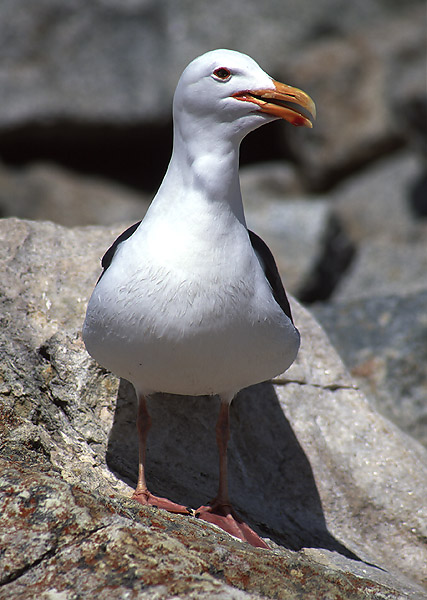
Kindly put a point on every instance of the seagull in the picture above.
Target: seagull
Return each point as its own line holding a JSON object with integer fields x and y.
{"x": 190, "y": 301}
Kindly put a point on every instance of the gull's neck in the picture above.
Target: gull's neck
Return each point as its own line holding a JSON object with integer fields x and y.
{"x": 204, "y": 171}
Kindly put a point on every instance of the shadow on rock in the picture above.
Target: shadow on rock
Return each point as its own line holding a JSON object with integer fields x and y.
{"x": 271, "y": 480}
{"x": 418, "y": 197}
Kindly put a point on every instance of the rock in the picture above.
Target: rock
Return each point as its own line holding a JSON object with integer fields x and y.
{"x": 311, "y": 248}
{"x": 312, "y": 464}
{"x": 70, "y": 540}
{"x": 268, "y": 179}
{"x": 48, "y": 192}
{"x": 419, "y": 196}
{"x": 377, "y": 203}
{"x": 382, "y": 341}
{"x": 408, "y": 101}
{"x": 376, "y": 317}
{"x": 127, "y": 56}
{"x": 353, "y": 81}
{"x": 309, "y": 245}
{"x": 385, "y": 268}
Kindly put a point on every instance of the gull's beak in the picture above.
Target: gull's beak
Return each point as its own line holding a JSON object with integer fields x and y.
{"x": 282, "y": 101}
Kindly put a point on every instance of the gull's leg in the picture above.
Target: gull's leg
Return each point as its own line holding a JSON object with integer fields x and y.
{"x": 222, "y": 431}
{"x": 143, "y": 425}
{"x": 142, "y": 493}
{"x": 219, "y": 511}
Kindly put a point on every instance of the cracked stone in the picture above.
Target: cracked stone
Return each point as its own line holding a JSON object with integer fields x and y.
{"x": 312, "y": 465}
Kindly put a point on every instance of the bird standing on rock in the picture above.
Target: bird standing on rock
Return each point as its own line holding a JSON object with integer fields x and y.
{"x": 190, "y": 302}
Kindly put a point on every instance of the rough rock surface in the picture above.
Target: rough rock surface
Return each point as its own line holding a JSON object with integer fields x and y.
{"x": 337, "y": 489}
{"x": 117, "y": 47}
{"x": 111, "y": 103}
{"x": 362, "y": 113}
{"x": 377, "y": 203}
{"x": 89, "y": 87}
{"x": 386, "y": 354}
{"x": 47, "y": 192}
{"x": 385, "y": 268}
{"x": 376, "y": 316}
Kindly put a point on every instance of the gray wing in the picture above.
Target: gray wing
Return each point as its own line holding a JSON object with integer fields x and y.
{"x": 271, "y": 272}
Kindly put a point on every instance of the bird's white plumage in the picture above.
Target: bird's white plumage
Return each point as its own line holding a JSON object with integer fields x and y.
{"x": 185, "y": 306}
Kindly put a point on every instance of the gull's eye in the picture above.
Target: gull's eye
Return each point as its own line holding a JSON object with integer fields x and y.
{"x": 222, "y": 73}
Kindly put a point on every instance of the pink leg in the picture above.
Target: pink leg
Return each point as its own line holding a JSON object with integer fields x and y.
{"x": 220, "y": 512}
{"x": 142, "y": 493}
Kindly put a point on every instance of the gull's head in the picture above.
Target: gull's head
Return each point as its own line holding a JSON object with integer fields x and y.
{"x": 228, "y": 91}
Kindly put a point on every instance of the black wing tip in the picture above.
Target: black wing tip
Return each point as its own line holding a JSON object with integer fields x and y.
{"x": 109, "y": 255}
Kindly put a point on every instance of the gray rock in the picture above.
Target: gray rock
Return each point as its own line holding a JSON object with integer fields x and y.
{"x": 268, "y": 179}
{"x": 353, "y": 81}
{"x": 384, "y": 268}
{"x": 382, "y": 340}
{"x": 307, "y": 241}
{"x": 376, "y": 203}
{"x": 63, "y": 542}
{"x": 310, "y": 246}
{"x": 312, "y": 464}
{"x": 118, "y": 62}
{"x": 376, "y": 319}
{"x": 47, "y": 192}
